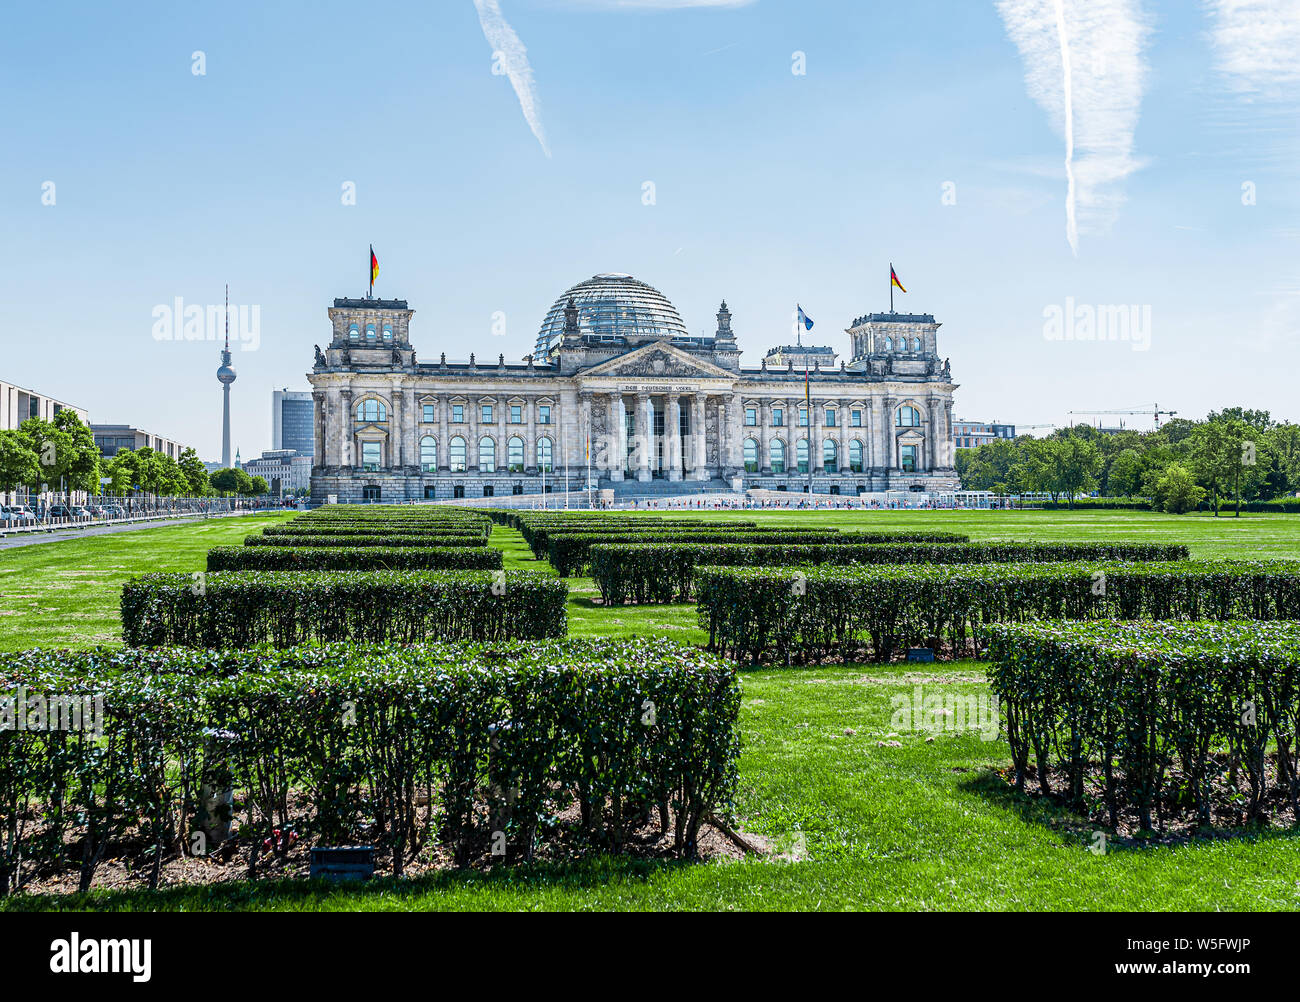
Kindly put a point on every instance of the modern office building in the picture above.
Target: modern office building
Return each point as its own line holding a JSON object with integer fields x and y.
{"x": 293, "y": 417}
{"x": 18, "y": 405}
{"x": 110, "y": 439}
{"x": 973, "y": 434}
{"x": 284, "y": 470}
{"x": 618, "y": 387}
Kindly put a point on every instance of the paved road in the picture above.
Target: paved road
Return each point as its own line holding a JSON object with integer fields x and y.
{"x": 35, "y": 538}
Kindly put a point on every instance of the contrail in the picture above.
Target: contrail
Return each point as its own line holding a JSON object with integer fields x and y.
{"x": 1084, "y": 67}
{"x": 1067, "y": 95}
{"x": 514, "y": 57}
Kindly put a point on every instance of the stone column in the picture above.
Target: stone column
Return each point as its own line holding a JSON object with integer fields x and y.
{"x": 413, "y": 417}
{"x": 765, "y": 436}
{"x": 673, "y": 435}
{"x": 318, "y": 428}
{"x": 699, "y": 446}
{"x": 345, "y": 428}
{"x": 644, "y": 434}
{"x": 503, "y": 434}
{"x": 887, "y": 451}
{"x": 620, "y": 438}
{"x": 586, "y": 447}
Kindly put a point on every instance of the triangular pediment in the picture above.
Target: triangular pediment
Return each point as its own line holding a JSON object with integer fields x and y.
{"x": 653, "y": 361}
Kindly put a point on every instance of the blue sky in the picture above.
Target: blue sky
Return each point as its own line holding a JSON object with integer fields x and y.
{"x": 771, "y": 187}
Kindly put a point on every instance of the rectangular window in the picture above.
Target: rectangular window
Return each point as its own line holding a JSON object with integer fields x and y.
{"x": 428, "y": 413}
{"x": 751, "y": 417}
{"x": 516, "y": 414}
{"x": 803, "y": 417}
{"x": 543, "y": 414}
{"x": 370, "y": 456}
{"x": 830, "y": 417}
{"x": 487, "y": 414}
{"x": 909, "y": 458}
{"x": 458, "y": 413}
{"x": 778, "y": 417}
{"x": 857, "y": 419}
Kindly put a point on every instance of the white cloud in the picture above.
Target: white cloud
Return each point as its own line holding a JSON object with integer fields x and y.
{"x": 514, "y": 58}
{"x": 1257, "y": 43}
{"x": 1084, "y": 66}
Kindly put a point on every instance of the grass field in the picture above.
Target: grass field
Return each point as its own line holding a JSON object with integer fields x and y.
{"x": 924, "y": 825}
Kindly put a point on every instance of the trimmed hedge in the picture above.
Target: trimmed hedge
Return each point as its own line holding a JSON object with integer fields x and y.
{"x": 664, "y": 572}
{"x": 789, "y": 614}
{"x": 1132, "y": 699}
{"x": 405, "y": 542}
{"x": 282, "y": 608}
{"x": 367, "y": 530}
{"x": 501, "y": 737}
{"x": 569, "y": 552}
{"x": 537, "y": 535}
{"x": 368, "y": 558}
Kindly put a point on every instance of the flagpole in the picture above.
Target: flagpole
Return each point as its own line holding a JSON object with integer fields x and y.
{"x": 370, "y": 270}
{"x": 891, "y": 286}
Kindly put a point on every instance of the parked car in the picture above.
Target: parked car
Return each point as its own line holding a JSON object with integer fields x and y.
{"x": 80, "y": 513}
{"x": 60, "y": 511}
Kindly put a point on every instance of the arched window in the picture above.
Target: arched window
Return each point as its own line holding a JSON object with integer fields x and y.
{"x": 916, "y": 344}
{"x": 456, "y": 455}
{"x": 907, "y": 417}
{"x": 372, "y": 410}
{"x": 830, "y": 456}
{"x": 889, "y": 344}
{"x": 515, "y": 454}
{"x": 777, "y": 451}
{"x": 751, "y": 456}
{"x": 388, "y": 333}
{"x": 487, "y": 456}
{"x": 354, "y": 333}
{"x": 370, "y": 333}
{"x": 544, "y": 454}
{"x": 801, "y": 454}
{"x": 855, "y": 456}
{"x": 429, "y": 454}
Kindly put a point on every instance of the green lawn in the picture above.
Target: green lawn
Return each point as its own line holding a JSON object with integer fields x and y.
{"x": 925, "y": 825}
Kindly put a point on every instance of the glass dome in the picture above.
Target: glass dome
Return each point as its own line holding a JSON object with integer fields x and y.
{"x": 612, "y": 306}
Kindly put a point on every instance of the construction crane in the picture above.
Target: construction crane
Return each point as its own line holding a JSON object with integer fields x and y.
{"x": 1153, "y": 411}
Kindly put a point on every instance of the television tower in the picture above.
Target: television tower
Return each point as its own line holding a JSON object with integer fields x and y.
{"x": 226, "y": 376}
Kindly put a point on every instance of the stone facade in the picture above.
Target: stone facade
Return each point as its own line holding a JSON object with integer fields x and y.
{"x": 644, "y": 406}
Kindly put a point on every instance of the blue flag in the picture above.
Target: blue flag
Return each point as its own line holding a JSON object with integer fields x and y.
{"x": 805, "y": 321}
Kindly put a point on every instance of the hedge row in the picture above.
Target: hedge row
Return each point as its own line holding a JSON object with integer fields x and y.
{"x": 538, "y": 534}
{"x": 387, "y": 541}
{"x": 293, "y": 529}
{"x": 345, "y": 558}
{"x": 501, "y": 738}
{"x": 283, "y": 608}
{"x": 569, "y": 552}
{"x": 1127, "y": 701}
{"x": 789, "y": 614}
{"x": 664, "y": 572}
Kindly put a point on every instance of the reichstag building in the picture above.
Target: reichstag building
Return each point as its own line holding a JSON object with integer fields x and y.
{"x": 617, "y": 386}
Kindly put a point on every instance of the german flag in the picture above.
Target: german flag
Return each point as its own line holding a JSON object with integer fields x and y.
{"x": 374, "y": 268}
{"x": 893, "y": 279}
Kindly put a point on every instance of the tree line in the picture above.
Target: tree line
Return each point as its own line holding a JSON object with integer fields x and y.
{"x": 1233, "y": 456}
{"x": 61, "y": 455}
